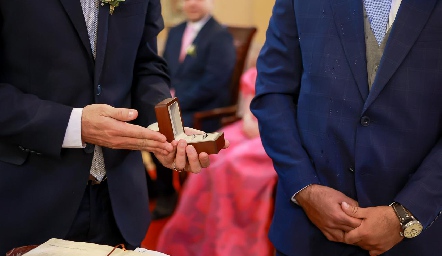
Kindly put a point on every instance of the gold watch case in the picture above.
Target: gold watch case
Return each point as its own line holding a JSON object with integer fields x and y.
{"x": 412, "y": 229}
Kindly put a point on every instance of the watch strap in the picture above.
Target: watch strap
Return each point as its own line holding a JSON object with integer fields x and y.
{"x": 403, "y": 214}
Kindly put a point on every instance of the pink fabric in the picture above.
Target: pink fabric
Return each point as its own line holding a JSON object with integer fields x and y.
{"x": 247, "y": 82}
{"x": 226, "y": 209}
{"x": 186, "y": 42}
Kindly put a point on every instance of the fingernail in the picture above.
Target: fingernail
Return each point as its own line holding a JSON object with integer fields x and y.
{"x": 345, "y": 205}
{"x": 131, "y": 113}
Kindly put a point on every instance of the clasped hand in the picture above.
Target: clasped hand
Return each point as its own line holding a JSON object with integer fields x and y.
{"x": 107, "y": 126}
{"x": 340, "y": 219}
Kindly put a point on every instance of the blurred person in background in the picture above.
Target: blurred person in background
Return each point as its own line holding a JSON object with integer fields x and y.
{"x": 226, "y": 209}
{"x": 201, "y": 57}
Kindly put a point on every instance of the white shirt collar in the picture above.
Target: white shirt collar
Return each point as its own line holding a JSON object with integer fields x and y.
{"x": 393, "y": 11}
{"x": 198, "y": 25}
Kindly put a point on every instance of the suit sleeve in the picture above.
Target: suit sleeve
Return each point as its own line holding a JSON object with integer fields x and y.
{"x": 32, "y": 123}
{"x": 422, "y": 194}
{"x": 29, "y": 122}
{"x": 216, "y": 75}
{"x": 277, "y": 87}
{"x": 151, "y": 81}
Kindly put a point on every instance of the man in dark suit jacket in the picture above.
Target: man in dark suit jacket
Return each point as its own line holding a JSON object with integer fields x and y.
{"x": 201, "y": 71}
{"x": 350, "y": 121}
{"x": 201, "y": 57}
{"x": 60, "y": 88}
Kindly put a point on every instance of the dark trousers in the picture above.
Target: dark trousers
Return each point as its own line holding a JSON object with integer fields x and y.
{"x": 278, "y": 253}
{"x": 163, "y": 185}
{"x": 349, "y": 252}
{"x": 95, "y": 222}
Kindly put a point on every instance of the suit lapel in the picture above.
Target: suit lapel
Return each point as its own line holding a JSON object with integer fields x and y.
{"x": 206, "y": 28}
{"x": 199, "y": 37}
{"x": 411, "y": 19}
{"x": 102, "y": 33}
{"x": 349, "y": 21}
{"x": 176, "y": 47}
{"x": 75, "y": 13}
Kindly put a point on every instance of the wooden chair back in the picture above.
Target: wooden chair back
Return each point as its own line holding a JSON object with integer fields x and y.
{"x": 242, "y": 39}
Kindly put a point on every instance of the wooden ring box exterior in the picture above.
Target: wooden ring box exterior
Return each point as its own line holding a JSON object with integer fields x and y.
{"x": 163, "y": 111}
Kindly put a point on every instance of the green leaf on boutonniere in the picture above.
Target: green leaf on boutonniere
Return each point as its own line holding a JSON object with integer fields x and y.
{"x": 191, "y": 50}
{"x": 112, "y": 4}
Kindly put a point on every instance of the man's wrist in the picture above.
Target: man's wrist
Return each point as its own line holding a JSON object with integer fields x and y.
{"x": 297, "y": 193}
{"x": 410, "y": 226}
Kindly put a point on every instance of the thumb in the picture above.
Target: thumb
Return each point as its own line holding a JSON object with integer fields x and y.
{"x": 353, "y": 211}
{"x": 122, "y": 114}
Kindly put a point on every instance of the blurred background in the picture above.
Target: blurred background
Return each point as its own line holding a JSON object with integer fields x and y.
{"x": 227, "y": 208}
{"x": 229, "y": 12}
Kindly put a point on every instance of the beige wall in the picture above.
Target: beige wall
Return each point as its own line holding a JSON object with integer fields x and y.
{"x": 245, "y": 13}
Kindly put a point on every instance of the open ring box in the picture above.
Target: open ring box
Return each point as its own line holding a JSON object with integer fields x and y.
{"x": 171, "y": 125}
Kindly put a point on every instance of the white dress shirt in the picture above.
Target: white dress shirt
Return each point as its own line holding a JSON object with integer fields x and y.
{"x": 197, "y": 26}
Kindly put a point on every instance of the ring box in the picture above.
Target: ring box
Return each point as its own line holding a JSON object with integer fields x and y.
{"x": 170, "y": 124}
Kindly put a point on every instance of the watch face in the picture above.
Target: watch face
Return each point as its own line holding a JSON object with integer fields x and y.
{"x": 412, "y": 229}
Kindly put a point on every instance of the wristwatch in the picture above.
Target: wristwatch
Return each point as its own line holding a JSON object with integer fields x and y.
{"x": 411, "y": 227}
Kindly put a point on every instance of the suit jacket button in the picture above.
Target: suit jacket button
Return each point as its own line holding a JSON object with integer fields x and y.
{"x": 89, "y": 148}
{"x": 365, "y": 121}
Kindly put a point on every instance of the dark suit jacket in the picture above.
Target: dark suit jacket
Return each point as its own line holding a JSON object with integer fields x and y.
{"x": 202, "y": 80}
{"x": 47, "y": 68}
{"x": 320, "y": 123}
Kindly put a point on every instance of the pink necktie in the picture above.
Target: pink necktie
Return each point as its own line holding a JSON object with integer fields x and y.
{"x": 185, "y": 43}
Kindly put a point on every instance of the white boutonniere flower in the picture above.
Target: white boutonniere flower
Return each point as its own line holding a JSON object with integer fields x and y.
{"x": 191, "y": 50}
{"x": 112, "y": 4}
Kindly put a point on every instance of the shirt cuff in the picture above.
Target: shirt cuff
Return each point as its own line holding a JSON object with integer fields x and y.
{"x": 72, "y": 137}
{"x": 293, "y": 197}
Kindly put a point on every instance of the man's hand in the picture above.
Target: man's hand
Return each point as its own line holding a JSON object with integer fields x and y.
{"x": 323, "y": 207}
{"x": 379, "y": 230}
{"x": 185, "y": 157}
{"x": 107, "y": 126}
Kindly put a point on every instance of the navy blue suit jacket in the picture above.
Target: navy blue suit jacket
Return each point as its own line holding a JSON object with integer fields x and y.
{"x": 321, "y": 125}
{"x": 202, "y": 80}
{"x": 46, "y": 69}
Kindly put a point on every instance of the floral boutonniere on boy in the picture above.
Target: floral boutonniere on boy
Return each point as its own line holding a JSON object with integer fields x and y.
{"x": 191, "y": 50}
{"x": 112, "y": 4}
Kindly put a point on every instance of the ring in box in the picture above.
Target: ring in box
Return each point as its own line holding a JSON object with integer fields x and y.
{"x": 171, "y": 125}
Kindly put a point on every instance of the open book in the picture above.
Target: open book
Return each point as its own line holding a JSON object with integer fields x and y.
{"x": 56, "y": 247}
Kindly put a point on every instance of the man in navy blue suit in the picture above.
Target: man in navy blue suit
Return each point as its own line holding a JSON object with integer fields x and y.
{"x": 348, "y": 99}
{"x": 201, "y": 57}
{"x": 78, "y": 84}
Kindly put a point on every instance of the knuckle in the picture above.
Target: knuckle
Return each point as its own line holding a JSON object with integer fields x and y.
{"x": 142, "y": 143}
{"x": 355, "y": 210}
{"x": 120, "y": 112}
